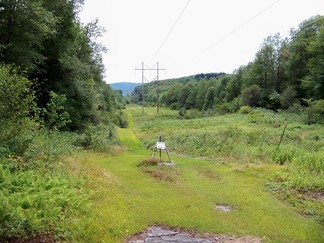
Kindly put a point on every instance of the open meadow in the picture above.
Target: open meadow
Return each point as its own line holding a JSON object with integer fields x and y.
{"x": 274, "y": 191}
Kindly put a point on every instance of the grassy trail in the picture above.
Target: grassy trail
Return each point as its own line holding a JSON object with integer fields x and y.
{"x": 136, "y": 200}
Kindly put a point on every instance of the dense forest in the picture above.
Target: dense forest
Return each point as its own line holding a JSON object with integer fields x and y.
{"x": 56, "y": 57}
{"x": 53, "y": 101}
{"x": 286, "y": 72}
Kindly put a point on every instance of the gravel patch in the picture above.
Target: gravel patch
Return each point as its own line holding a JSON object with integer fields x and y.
{"x": 164, "y": 234}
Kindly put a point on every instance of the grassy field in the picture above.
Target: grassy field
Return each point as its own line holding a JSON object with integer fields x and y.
{"x": 128, "y": 195}
{"x": 249, "y": 141}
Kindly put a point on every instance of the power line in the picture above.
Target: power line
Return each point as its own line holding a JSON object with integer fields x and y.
{"x": 242, "y": 25}
{"x": 312, "y": 22}
{"x": 168, "y": 35}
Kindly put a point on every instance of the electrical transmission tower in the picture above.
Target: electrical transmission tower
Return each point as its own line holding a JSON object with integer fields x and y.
{"x": 157, "y": 69}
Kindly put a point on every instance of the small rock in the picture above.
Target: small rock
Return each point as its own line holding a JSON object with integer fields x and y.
{"x": 157, "y": 232}
{"x": 223, "y": 208}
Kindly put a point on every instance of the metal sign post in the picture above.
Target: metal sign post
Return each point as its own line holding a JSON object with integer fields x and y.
{"x": 160, "y": 145}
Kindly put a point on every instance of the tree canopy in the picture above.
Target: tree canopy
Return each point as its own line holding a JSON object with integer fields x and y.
{"x": 59, "y": 55}
{"x": 285, "y": 71}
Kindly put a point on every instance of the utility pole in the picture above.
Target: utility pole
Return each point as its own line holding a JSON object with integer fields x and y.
{"x": 157, "y": 69}
{"x": 143, "y": 88}
{"x": 157, "y": 89}
{"x": 142, "y": 93}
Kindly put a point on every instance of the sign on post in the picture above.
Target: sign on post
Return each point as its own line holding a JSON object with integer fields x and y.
{"x": 160, "y": 145}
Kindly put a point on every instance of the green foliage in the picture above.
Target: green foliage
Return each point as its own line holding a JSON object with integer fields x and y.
{"x": 61, "y": 57}
{"x": 209, "y": 98}
{"x": 38, "y": 195}
{"x": 46, "y": 149}
{"x": 121, "y": 119}
{"x": 100, "y": 138}
{"x": 288, "y": 97}
{"x": 254, "y": 117}
{"x": 24, "y": 25}
{"x": 234, "y": 85}
{"x": 175, "y": 106}
{"x": 283, "y": 156}
{"x": 56, "y": 116}
{"x": 284, "y": 72}
{"x": 17, "y": 107}
{"x": 250, "y": 137}
{"x": 251, "y": 95}
{"x": 136, "y": 197}
{"x": 182, "y": 113}
{"x": 316, "y": 112}
{"x": 229, "y": 107}
{"x": 35, "y": 203}
{"x": 245, "y": 109}
{"x": 304, "y": 67}
{"x": 17, "y": 100}
{"x": 313, "y": 113}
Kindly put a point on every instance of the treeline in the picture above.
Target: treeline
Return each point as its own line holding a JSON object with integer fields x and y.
{"x": 45, "y": 42}
{"x": 285, "y": 72}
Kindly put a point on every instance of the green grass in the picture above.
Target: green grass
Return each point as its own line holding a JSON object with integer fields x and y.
{"x": 128, "y": 199}
{"x": 239, "y": 139}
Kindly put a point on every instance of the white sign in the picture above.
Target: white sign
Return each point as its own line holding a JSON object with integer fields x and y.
{"x": 160, "y": 145}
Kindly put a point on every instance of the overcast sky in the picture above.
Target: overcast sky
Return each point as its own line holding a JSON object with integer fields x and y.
{"x": 207, "y": 35}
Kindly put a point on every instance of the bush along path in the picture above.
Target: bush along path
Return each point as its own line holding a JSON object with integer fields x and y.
{"x": 194, "y": 197}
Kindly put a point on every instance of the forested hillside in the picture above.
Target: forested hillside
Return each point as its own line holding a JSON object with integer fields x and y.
{"x": 125, "y": 87}
{"x": 286, "y": 72}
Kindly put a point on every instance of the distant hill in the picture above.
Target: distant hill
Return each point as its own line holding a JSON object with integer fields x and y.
{"x": 126, "y": 87}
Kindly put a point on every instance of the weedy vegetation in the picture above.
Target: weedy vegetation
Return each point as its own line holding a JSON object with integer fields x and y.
{"x": 251, "y": 139}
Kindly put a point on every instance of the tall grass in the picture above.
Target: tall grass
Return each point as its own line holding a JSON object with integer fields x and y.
{"x": 253, "y": 137}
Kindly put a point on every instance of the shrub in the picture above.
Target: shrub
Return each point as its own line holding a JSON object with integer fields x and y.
{"x": 55, "y": 115}
{"x": 193, "y": 114}
{"x": 182, "y": 113}
{"x": 283, "y": 156}
{"x": 255, "y": 116}
{"x": 317, "y": 110}
{"x": 122, "y": 120}
{"x": 288, "y": 97}
{"x": 245, "y": 109}
{"x": 228, "y": 107}
{"x": 17, "y": 101}
{"x": 34, "y": 203}
{"x": 17, "y": 105}
{"x": 99, "y": 138}
{"x": 251, "y": 95}
{"x": 175, "y": 106}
